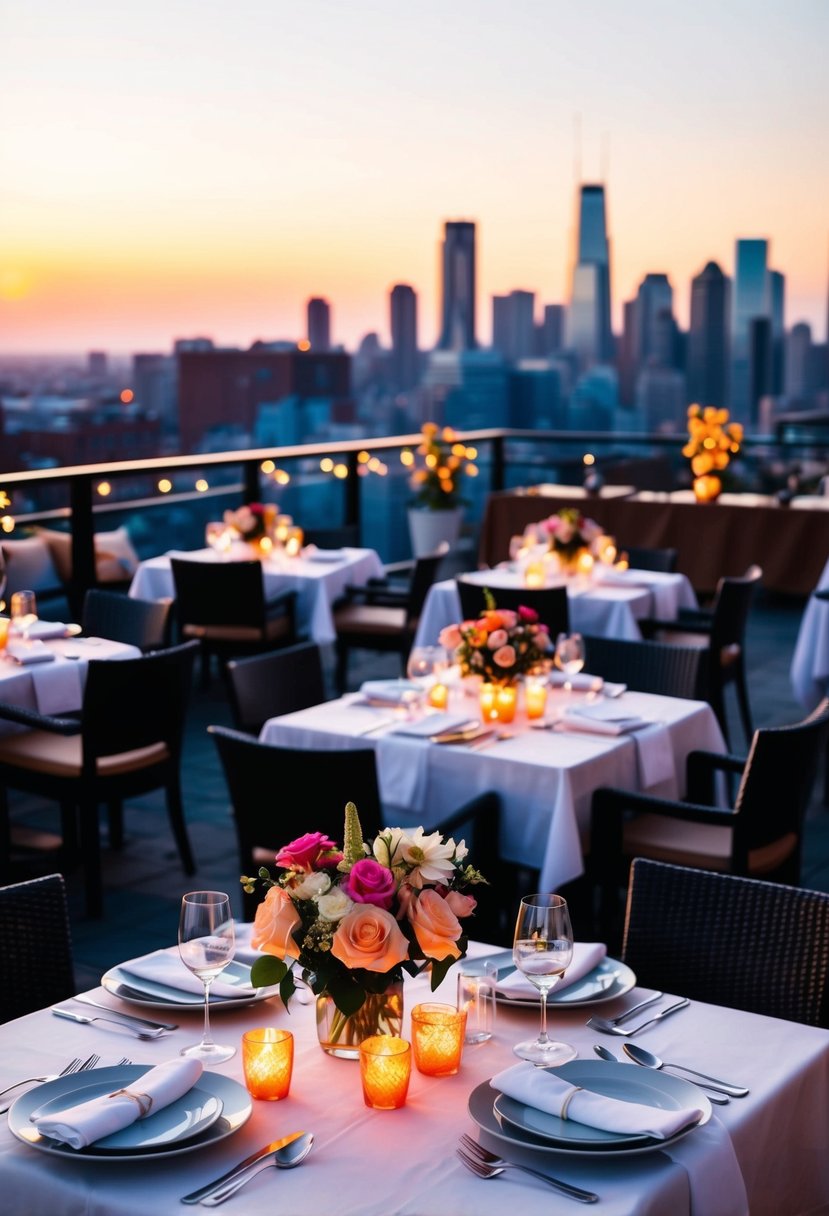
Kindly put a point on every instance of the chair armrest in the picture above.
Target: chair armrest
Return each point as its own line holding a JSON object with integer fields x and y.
{"x": 700, "y": 615}
{"x": 701, "y": 769}
{"x": 650, "y": 626}
{"x": 608, "y": 800}
{"x": 31, "y": 718}
{"x": 382, "y": 595}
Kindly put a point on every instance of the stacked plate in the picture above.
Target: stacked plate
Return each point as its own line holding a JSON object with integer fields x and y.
{"x": 608, "y": 980}
{"x": 124, "y": 983}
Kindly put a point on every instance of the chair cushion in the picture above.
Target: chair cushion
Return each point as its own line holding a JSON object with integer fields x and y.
{"x": 60, "y": 755}
{"x": 369, "y": 618}
{"x": 115, "y": 558}
{"x": 699, "y": 845}
{"x": 275, "y": 629}
{"x": 30, "y": 565}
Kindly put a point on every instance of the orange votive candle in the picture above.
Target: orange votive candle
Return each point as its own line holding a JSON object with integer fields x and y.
{"x": 268, "y": 1060}
{"x": 535, "y": 574}
{"x": 385, "y": 1068}
{"x": 535, "y": 698}
{"x": 438, "y": 696}
{"x": 437, "y": 1038}
{"x": 506, "y": 698}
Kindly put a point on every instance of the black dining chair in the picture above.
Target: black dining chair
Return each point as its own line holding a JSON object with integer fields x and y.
{"x": 656, "y": 667}
{"x": 36, "y": 961}
{"x": 550, "y": 603}
{"x": 641, "y": 557}
{"x": 278, "y": 682}
{"x": 729, "y": 940}
{"x": 114, "y": 615}
{"x": 125, "y": 742}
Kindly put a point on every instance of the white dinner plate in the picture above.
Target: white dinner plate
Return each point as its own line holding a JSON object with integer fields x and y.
{"x": 604, "y": 983}
{"x": 236, "y": 1110}
{"x": 617, "y": 1080}
{"x": 181, "y": 1120}
{"x": 139, "y": 991}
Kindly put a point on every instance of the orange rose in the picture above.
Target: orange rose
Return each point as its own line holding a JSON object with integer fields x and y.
{"x": 436, "y": 926}
{"x": 276, "y": 919}
{"x": 461, "y": 905}
{"x": 369, "y": 937}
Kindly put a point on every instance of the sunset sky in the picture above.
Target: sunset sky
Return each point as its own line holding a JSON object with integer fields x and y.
{"x": 196, "y": 167}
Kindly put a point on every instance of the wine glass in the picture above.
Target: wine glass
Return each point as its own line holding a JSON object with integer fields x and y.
{"x": 206, "y": 943}
{"x": 425, "y": 666}
{"x": 23, "y": 612}
{"x": 569, "y": 655}
{"x": 542, "y": 950}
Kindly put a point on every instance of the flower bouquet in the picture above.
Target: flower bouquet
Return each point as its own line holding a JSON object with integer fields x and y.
{"x": 712, "y": 441}
{"x": 501, "y": 645}
{"x": 249, "y": 521}
{"x": 569, "y": 533}
{"x": 354, "y": 919}
{"x": 437, "y": 482}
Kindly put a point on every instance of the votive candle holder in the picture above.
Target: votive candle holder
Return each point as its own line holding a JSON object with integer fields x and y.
{"x": 535, "y": 696}
{"x": 437, "y": 1038}
{"x": 385, "y": 1069}
{"x": 268, "y": 1060}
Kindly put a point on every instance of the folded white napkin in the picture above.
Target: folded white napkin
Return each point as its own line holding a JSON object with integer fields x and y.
{"x": 86, "y": 1122}
{"x": 24, "y": 652}
{"x": 586, "y": 956}
{"x": 390, "y": 692}
{"x": 166, "y": 967}
{"x": 600, "y": 718}
{"x": 581, "y": 681}
{"x": 432, "y": 724}
{"x": 48, "y": 629}
{"x": 549, "y": 1092}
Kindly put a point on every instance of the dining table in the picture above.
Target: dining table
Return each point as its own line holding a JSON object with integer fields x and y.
{"x": 759, "y": 1153}
{"x": 545, "y": 774}
{"x": 318, "y": 576}
{"x": 608, "y": 602}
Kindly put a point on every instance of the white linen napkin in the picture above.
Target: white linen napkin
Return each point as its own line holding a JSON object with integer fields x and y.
{"x": 26, "y": 653}
{"x": 621, "y": 578}
{"x": 48, "y": 629}
{"x": 86, "y": 1122}
{"x": 586, "y": 956}
{"x": 600, "y": 718}
{"x": 166, "y": 967}
{"x": 432, "y": 724}
{"x": 581, "y": 681}
{"x": 389, "y": 692}
{"x": 551, "y": 1093}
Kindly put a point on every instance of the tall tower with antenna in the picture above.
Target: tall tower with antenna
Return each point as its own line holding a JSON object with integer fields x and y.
{"x": 589, "y": 331}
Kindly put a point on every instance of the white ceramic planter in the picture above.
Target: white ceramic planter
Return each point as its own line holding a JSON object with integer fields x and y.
{"x": 428, "y": 528}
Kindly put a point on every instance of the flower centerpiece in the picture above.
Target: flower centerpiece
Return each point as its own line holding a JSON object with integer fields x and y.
{"x": 712, "y": 441}
{"x": 571, "y": 534}
{"x": 354, "y": 919}
{"x": 438, "y": 466}
{"x": 249, "y": 521}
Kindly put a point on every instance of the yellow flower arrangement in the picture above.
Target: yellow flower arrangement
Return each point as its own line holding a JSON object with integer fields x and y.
{"x": 712, "y": 439}
{"x": 445, "y": 460}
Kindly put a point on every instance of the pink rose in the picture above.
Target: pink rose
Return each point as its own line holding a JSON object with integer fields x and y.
{"x": 450, "y": 637}
{"x": 304, "y": 852}
{"x": 498, "y": 637}
{"x": 505, "y": 656}
{"x": 276, "y": 918}
{"x": 369, "y": 937}
{"x": 527, "y": 614}
{"x": 436, "y": 926}
{"x": 461, "y": 905}
{"x": 370, "y": 883}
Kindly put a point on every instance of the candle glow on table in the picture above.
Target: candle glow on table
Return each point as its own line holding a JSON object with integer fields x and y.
{"x": 385, "y": 1069}
{"x": 280, "y": 531}
{"x": 585, "y": 562}
{"x": 293, "y": 541}
{"x": 506, "y": 699}
{"x": 438, "y": 696}
{"x": 267, "y": 1060}
{"x": 534, "y": 574}
{"x": 437, "y": 1038}
{"x": 535, "y": 696}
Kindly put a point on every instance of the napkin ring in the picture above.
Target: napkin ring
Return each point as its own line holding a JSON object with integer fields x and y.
{"x": 145, "y": 1102}
{"x": 566, "y": 1103}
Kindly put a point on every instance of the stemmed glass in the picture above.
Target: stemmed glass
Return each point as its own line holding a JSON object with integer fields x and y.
{"x": 425, "y": 666}
{"x": 206, "y": 942}
{"x": 542, "y": 950}
{"x": 569, "y": 656}
{"x": 23, "y": 612}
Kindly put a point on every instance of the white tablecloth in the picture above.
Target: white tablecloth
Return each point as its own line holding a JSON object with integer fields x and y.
{"x": 402, "y": 1163}
{"x": 317, "y": 583}
{"x": 809, "y": 672}
{"x": 595, "y": 608}
{"x": 545, "y": 778}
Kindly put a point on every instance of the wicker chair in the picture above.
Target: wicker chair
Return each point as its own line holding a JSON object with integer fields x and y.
{"x": 641, "y": 558}
{"x": 142, "y": 623}
{"x": 266, "y": 685}
{"x": 36, "y": 967}
{"x": 728, "y": 940}
{"x": 549, "y": 602}
{"x": 669, "y": 671}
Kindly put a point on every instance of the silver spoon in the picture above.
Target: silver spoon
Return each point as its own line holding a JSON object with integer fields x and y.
{"x": 284, "y": 1158}
{"x": 604, "y": 1054}
{"x": 640, "y": 1056}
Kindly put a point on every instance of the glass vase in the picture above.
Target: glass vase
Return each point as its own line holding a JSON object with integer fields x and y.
{"x": 341, "y": 1035}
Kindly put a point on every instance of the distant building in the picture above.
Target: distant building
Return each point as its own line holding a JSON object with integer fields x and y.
{"x": 154, "y": 387}
{"x": 513, "y": 325}
{"x": 750, "y": 299}
{"x": 654, "y": 299}
{"x": 588, "y": 316}
{"x": 799, "y": 353}
{"x": 777, "y": 303}
{"x": 626, "y": 360}
{"x": 405, "y": 357}
{"x": 549, "y": 335}
{"x": 457, "y": 331}
{"x": 319, "y": 325}
{"x": 97, "y": 364}
{"x": 661, "y": 399}
{"x": 760, "y": 366}
{"x": 708, "y": 337}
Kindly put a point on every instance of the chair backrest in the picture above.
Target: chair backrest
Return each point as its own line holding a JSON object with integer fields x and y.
{"x": 258, "y": 776}
{"x": 218, "y": 593}
{"x": 424, "y": 574}
{"x": 645, "y": 666}
{"x": 641, "y": 558}
{"x": 278, "y": 682}
{"x": 141, "y": 623}
{"x": 777, "y": 782}
{"x": 550, "y": 603}
{"x": 134, "y": 703}
{"x": 730, "y": 609}
{"x": 36, "y": 959}
{"x": 728, "y": 940}
{"x": 347, "y": 536}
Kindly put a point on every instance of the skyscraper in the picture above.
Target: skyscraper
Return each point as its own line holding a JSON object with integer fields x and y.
{"x": 319, "y": 325}
{"x": 708, "y": 337}
{"x": 513, "y": 324}
{"x": 404, "y": 353}
{"x": 588, "y": 317}
{"x": 750, "y": 299}
{"x": 654, "y": 298}
{"x": 457, "y": 331}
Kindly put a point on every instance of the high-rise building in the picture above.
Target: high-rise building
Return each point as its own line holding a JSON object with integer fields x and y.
{"x": 750, "y": 299}
{"x": 798, "y": 383}
{"x": 97, "y": 363}
{"x": 654, "y": 298}
{"x": 319, "y": 325}
{"x": 513, "y": 325}
{"x": 550, "y": 333}
{"x": 457, "y": 330}
{"x": 708, "y": 337}
{"x": 760, "y": 366}
{"x": 777, "y": 301}
{"x": 405, "y": 361}
{"x": 588, "y": 317}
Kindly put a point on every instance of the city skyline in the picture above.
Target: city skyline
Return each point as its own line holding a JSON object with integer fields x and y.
{"x": 213, "y": 171}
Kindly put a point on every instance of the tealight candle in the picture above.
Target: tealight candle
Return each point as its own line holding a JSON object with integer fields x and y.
{"x": 437, "y": 1038}
{"x": 267, "y": 1060}
{"x": 535, "y": 696}
{"x": 293, "y": 541}
{"x": 534, "y": 574}
{"x": 506, "y": 697}
{"x": 585, "y": 563}
{"x": 385, "y": 1068}
{"x": 280, "y": 531}
{"x": 486, "y": 700}
{"x": 438, "y": 696}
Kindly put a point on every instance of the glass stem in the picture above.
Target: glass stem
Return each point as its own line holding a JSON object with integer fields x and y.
{"x": 542, "y": 1038}
{"x": 206, "y": 1036}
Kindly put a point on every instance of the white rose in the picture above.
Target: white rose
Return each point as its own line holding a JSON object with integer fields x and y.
{"x": 334, "y": 905}
{"x": 387, "y": 846}
{"x": 313, "y": 884}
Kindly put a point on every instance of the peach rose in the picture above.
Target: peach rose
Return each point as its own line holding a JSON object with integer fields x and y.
{"x": 276, "y": 918}
{"x": 505, "y": 656}
{"x": 369, "y": 937}
{"x": 461, "y": 905}
{"x": 450, "y": 637}
{"x": 436, "y": 926}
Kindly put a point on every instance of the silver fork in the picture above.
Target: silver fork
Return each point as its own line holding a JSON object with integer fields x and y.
{"x": 74, "y": 1066}
{"x": 480, "y": 1161}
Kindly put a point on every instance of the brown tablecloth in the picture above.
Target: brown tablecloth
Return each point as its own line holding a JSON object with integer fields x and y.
{"x": 791, "y": 544}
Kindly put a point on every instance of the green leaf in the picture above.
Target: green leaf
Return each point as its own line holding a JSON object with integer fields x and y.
{"x": 439, "y": 969}
{"x": 348, "y": 997}
{"x": 287, "y": 988}
{"x": 266, "y": 971}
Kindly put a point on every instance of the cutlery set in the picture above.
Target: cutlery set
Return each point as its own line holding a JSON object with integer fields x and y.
{"x": 74, "y": 1066}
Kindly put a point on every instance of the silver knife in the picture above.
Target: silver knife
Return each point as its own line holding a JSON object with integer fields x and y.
{"x": 129, "y": 1017}
{"x": 267, "y": 1151}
